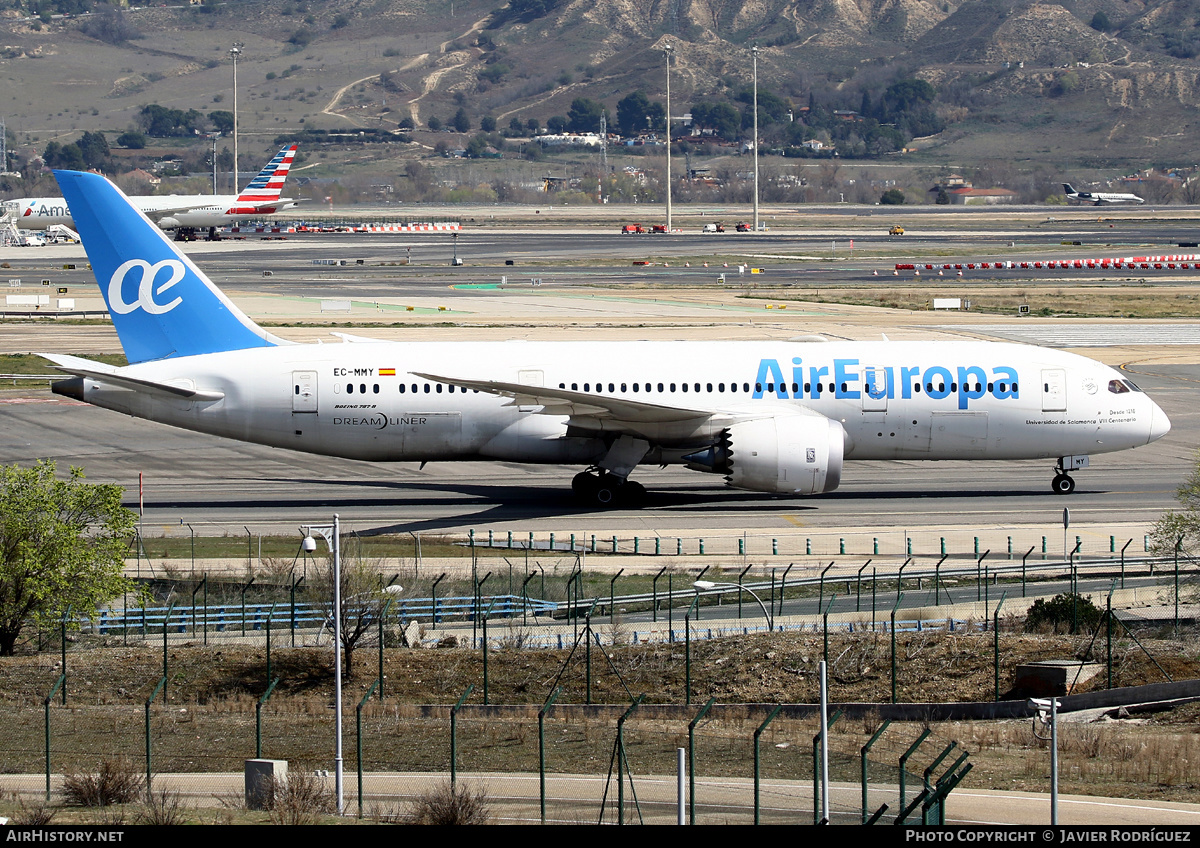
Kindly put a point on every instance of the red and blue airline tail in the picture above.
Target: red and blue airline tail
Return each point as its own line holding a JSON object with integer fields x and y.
{"x": 267, "y": 187}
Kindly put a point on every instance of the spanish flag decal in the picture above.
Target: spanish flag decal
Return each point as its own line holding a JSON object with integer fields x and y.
{"x": 387, "y": 372}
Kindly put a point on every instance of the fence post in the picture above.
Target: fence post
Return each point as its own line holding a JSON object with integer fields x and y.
{"x": 358, "y": 740}
{"x": 866, "y": 749}
{"x": 454, "y": 734}
{"x": 691, "y": 759}
{"x": 542, "y": 713}
{"x": 62, "y": 679}
{"x": 621, "y": 759}
{"x": 149, "y": 701}
{"x": 996, "y": 641}
{"x": 757, "y": 758}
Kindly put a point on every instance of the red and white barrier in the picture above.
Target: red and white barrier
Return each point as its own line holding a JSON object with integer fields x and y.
{"x": 1180, "y": 261}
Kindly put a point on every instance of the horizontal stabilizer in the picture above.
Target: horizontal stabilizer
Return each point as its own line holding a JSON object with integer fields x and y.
{"x": 111, "y": 375}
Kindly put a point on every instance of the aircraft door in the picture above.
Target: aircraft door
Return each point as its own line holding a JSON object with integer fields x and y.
{"x": 1054, "y": 390}
{"x": 875, "y": 389}
{"x": 304, "y": 391}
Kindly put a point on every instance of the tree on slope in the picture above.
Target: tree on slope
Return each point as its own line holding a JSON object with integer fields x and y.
{"x": 62, "y": 547}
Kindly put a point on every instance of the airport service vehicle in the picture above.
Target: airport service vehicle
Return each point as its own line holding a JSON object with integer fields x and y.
{"x": 185, "y": 214}
{"x": 896, "y": 231}
{"x": 659, "y": 228}
{"x": 1100, "y": 198}
{"x": 778, "y": 417}
{"x": 742, "y": 227}
{"x": 713, "y": 228}
{"x": 630, "y": 229}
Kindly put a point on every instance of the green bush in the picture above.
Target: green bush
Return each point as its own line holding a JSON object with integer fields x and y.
{"x": 1066, "y": 613}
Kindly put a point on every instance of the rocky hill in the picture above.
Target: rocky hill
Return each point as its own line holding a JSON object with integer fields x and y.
{"x": 1108, "y": 84}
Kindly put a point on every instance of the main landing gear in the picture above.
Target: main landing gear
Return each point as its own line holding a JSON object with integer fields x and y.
{"x": 599, "y": 488}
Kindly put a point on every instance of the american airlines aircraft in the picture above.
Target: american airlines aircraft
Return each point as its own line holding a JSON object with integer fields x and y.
{"x": 1100, "y": 198}
{"x": 184, "y": 213}
{"x": 780, "y": 417}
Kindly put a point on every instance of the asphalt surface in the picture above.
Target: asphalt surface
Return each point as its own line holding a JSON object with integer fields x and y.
{"x": 200, "y": 479}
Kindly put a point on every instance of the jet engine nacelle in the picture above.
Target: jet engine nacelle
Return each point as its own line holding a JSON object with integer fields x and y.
{"x": 791, "y": 454}
{"x": 168, "y": 223}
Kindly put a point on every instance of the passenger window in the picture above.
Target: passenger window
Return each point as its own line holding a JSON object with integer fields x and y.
{"x": 439, "y": 388}
{"x": 672, "y": 387}
{"x": 375, "y": 388}
{"x": 758, "y": 387}
{"x": 623, "y": 387}
{"x": 696, "y": 387}
{"x": 427, "y": 389}
{"x": 349, "y": 388}
{"x": 660, "y": 387}
{"x": 710, "y": 388}
{"x": 401, "y": 388}
{"x": 574, "y": 387}
{"x": 450, "y": 388}
{"x": 611, "y": 387}
{"x": 635, "y": 387}
{"x": 683, "y": 386}
{"x": 720, "y": 387}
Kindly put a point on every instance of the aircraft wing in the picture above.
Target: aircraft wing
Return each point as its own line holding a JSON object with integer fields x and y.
{"x": 112, "y": 375}
{"x": 601, "y": 412}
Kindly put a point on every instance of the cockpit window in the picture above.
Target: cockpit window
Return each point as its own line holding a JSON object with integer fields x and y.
{"x": 1117, "y": 387}
{"x": 1132, "y": 385}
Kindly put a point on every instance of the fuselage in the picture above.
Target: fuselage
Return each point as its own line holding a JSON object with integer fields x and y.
{"x": 895, "y": 400}
{"x": 199, "y": 210}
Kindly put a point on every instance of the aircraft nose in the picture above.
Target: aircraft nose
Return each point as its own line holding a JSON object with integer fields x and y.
{"x": 1160, "y": 424}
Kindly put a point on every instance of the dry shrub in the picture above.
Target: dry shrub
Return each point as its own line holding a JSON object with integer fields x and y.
{"x": 35, "y": 814}
{"x": 301, "y": 799}
{"x": 162, "y": 808}
{"x": 116, "y": 783}
{"x": 447, "y": 804}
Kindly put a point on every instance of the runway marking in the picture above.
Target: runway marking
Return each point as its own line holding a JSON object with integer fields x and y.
{"x": 791, "y": 519}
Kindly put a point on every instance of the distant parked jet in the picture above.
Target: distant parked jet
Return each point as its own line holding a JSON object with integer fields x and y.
{"x": 183, "y": 213}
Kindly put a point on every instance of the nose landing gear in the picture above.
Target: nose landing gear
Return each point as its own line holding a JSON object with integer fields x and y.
{"x": 1063, "y": 484}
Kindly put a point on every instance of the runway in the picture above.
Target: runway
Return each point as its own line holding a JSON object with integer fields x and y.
{"x": 228, "y": 485}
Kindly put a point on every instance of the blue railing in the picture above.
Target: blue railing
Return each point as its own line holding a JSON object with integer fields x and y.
{"x": 253, "y": 617}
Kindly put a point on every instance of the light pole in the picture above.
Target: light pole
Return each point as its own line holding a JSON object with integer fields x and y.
{"x": 234, "y": 52}
{"x": 332, "y": 533}
{"x": 706, "y": 585}
{"x": 668, "y": 49}
{"x": 754, "y": 53}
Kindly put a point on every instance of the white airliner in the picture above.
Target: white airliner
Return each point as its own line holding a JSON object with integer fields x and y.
{"x": 777, "y": 417}
{"x": 1100, "y": 198}
{"x": 184, "y": 213}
